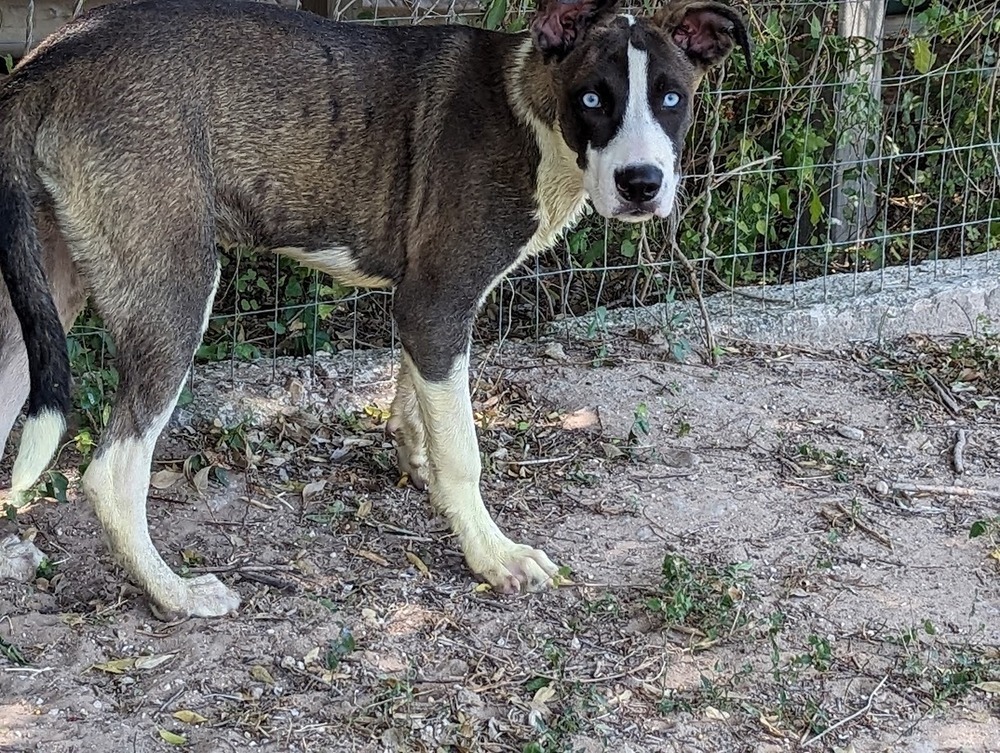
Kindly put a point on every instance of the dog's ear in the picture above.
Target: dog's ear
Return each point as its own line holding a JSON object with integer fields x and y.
{"x": 706, "y": 31}
{"x": 559, "y": 25}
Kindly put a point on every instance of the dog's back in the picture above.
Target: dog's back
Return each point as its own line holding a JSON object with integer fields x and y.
{"x": 305, "y": 131}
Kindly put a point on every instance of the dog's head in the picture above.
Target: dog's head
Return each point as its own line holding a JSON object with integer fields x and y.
{"x": 625, "y": 86}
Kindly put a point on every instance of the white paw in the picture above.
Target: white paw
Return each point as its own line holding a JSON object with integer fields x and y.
{"x": 411, "y": 451}
{"x": 204, "y": 596}
{"x": 512, "y": 568}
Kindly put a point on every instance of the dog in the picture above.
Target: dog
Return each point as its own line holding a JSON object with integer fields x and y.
{"x": 433, "y": 160}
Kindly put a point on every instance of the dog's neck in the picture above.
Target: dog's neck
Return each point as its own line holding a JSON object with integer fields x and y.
{"x": 531, "y": 90}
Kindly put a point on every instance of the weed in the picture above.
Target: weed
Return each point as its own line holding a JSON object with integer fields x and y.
{"x": 12, "y": 653}
{"x": 46, "y": 569}
{"x": 707, "y": 599}
{"x": 337, "y": 649}
{"x": 819, "y": 656}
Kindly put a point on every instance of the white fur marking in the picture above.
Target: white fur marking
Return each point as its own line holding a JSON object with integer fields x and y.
{"x": 39, "y": 442}
{"x": 336, "y": 261}
{"x": 453, "y": 450}
{"x": 559, "y": 194}
{"x": 116, "y": 483}
{"x": 640, "y": 140}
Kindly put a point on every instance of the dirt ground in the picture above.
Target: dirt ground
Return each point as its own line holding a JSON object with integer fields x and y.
{"x": 749, "y": 575}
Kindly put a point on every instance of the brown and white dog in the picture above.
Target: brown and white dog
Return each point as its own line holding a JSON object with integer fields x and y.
{"x": 430, "y": 159}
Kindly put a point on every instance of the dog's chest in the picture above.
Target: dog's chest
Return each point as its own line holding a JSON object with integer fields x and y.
{"x": 559, "y": 194}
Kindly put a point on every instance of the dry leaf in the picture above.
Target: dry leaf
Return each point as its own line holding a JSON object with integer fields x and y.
{"x": 372, "y": 557}
{"x": 611, "y": 451}
{"x": 543, "y": 695}
{"x": 769, "y": 727}
{"x": 312, "y": 657}
{"x": 992, "y": 687}
{"x": 172, "y": 737}
{"x": 115, "y": 666}
{"x": 201, "y": 479}
{"x": 582, "y": 420}
{"x": 365, "y": 508}
{"x": 713, "y": 714}
{"x": 151, "y": 662}
{"x": 189, "y": 717}
{"x": 260, "y": 674}
{"x": 312, "y": 489}
{"x": 418, "y": 563}
{"x": 481, "y": 588}
{"x": 165, "y": 479}
{"x": 379, "y": 414}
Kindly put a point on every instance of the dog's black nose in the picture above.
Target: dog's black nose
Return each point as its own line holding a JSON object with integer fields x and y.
{"x": 638, "y": 183}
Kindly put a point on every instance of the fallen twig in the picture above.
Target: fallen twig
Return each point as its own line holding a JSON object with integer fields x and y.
{"x": 958, "y": 454}
{"x": 944, "y": 396}
{"x": 958, "y": 491}
{"x": 847, "y": 719}
{"x": 862, "y": 526}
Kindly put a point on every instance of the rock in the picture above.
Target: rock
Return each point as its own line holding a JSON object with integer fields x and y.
{"x": 849, "y": 432}
{"x": 19, "y": 560}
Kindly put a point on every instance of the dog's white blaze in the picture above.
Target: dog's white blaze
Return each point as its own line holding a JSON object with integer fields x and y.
{"x": 336, "y": 261}
{"x": 640, "y": 141}
{"x": 39, "y": 442}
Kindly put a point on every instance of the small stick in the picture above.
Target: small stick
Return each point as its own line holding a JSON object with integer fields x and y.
{"x": 959, "y": 491}
{"x": 958, "y": 455}
{"x": 847, "y": 719}
{"x": 541, "y": 461}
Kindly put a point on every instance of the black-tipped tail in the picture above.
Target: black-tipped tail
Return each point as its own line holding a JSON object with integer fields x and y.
{"x": 28, "y": 287}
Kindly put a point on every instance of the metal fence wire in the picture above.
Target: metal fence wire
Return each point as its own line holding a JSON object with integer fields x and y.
{"x": 865, "y": 135}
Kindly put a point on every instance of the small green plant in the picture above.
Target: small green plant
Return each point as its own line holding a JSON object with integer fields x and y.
{"x": 337, "y": 649}
{"x": 701, "y": 597}
{"x": 46, "y": 569}
{"x": 12, "y": 653}
{"x": 819, "y": 656}
{"x": 8, "y": 63}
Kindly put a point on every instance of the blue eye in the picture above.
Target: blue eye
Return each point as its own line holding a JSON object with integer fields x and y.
{"x": 671, "y": 99}
{"x": 591, "y": 101}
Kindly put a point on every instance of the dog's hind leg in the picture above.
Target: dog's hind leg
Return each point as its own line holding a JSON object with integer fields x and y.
{"x": 435, "y": 328}
{"x": 407, "y": 427}
{"x": 153, "y": 284}
{"x": 68, "y": 295}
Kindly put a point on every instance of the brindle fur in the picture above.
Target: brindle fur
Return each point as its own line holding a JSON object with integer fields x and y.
{"x": 429, "y": 159}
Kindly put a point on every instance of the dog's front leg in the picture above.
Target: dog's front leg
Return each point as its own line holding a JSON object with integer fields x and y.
{"x": 445, "y": 407}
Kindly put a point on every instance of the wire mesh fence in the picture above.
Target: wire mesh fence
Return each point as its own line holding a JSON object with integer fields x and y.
{"x": 865, "y": 134}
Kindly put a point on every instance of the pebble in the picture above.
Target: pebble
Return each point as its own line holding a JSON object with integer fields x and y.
{"x": 850, "y": 432}
{"x": 881, "y": 487}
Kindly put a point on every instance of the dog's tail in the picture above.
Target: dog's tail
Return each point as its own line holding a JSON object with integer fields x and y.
{"x": 23, "y": 272}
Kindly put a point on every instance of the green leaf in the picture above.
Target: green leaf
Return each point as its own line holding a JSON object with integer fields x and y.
{"x": 495, "y": 15}
{"x": 172, "y": 737}
{"x": 978, "y": 529}
{"x": 815, "y": 208}
{"x": 56, "y": 485}
{"x": 815, "y": 27}
{"x": 923, "y": 58}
